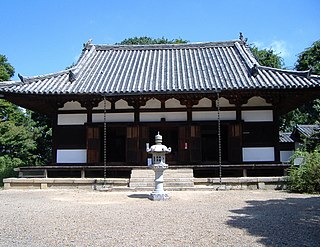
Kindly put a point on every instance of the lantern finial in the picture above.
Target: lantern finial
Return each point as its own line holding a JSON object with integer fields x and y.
{"x": 158, "y": 138}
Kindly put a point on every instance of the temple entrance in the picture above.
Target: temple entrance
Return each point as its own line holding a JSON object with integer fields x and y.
{"x": 195, "y": 145}
{"x": 116, "y": 144}
{"x": 210, "y": 143}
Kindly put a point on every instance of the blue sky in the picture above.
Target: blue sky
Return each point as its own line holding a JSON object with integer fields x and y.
{"x": 40, "y": 37}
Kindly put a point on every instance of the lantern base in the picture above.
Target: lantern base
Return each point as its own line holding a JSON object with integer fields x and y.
{"x": 158, "y": 196}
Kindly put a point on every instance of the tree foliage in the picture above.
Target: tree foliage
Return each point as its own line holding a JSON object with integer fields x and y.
{"x": 6, "y": 70}
{"x": 24, "y": 135}
{"x": 43, "y": 151}
{"x": 150, "y": 41}
{"x": 308, "y": 113}
{"x": 310, "y": 59}
{"x": 18, "y": 139}
{"x": 306, "y": 177}
{"x": 267, "y": 57}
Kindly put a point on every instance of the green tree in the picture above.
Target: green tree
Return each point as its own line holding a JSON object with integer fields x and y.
{"x": 18, "y": 139}
{"x": 310, "y": 59}
{"x": 308, "y": 113}
{"x": 6, "y": 70}
{"x": 21, "y": 134}
{"x": 267, "y": 57}
{"x": 150, "y": 41}
{"x": 305, "y": 178}
{"x": 43, "y": 127}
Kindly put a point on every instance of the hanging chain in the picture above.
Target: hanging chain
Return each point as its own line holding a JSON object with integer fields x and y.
{"x": 219, "y": 140}
{"x": 104, "y": 141}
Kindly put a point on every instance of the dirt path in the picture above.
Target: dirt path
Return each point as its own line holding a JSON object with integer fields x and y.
{"x": 217, "y": 218}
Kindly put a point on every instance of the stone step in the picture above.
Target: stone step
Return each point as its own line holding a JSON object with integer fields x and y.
{"x": 169, "y": 173}
{"x": 148, "y": 190}
{"x": 176, "y": 178}
{"x": 142, "y": 173}
{"x": 166, "y": 179}
{"x": 165, "y": 184}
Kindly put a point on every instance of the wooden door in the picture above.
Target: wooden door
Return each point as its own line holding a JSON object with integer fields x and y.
{"x": 235, "y": 140}
{"x": 93, "y": 144}
{"x": 132, "y": 144}
{"x": 183, "y": 149}
{"x": 195, "y": 144}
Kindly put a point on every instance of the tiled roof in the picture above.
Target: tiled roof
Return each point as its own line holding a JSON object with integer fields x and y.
{"x": 307, "y": 130}
{"x": 285, "y": 137}
{"x": 154, "y": 69}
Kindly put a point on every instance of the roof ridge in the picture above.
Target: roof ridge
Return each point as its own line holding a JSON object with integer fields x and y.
{"x": 305, "y": 73}
{"x": 314, "y": 76}
{"x": 246, "y": 55}
{"x": 44, "y": 76}
{"x": 75, "y": 68}
{"x": 165, "y": 46}
{"x": 309, "y": 125}
{"x": 7, "y": 83}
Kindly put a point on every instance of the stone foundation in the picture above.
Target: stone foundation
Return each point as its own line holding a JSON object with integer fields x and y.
{"x": 146, "y": 184}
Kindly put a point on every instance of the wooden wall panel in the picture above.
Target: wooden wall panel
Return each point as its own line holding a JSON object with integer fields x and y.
{"x": 234, "y": 143}
{"x": 195, "y": 144}
{"x": 93, "y": 144}
{"x": 132, "y": 144}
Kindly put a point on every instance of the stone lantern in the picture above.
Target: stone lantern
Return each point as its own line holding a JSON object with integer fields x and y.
{"x": 158, "y": 164}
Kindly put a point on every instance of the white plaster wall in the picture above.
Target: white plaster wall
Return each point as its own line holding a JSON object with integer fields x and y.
{"x": 173, "y": 103}
{"x": 113, "y": 117}
{"x": 257, "y": 116}
{"x": 156, "y": 116}
{"x": 72, "y": 105}
{"x": 151, "y": 104}
{"x": 213, "y": 115}
{"x": 223, "y": 102}
{"x": 71, "y": 156}
{"x": 122, "y": 104}
{"x": 72, "y": 119}
{"x": 257, "y": 101}
{"x": 286, "y": 155}
{"x": 101, "y": 105}
{"x": 258, "y": 154}
{"x": 204, "y": 102}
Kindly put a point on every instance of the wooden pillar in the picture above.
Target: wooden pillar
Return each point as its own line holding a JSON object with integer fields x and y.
{"x": 136, "y": 114}
{"x": 54, "y": 119}
{"x": 276, "y": 135}
{"x": 89, "y": 114}
{"x": 89, "y": 104}
{"x": 238, "y": 112}
{"x": 239, "y": 122}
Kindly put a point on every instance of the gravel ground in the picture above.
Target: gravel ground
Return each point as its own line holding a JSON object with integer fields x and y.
{"x": 210, "y": 218}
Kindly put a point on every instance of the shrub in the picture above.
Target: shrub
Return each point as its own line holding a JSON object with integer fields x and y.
{"x": 7, "y": 164}
{"x": 305, "y": 178}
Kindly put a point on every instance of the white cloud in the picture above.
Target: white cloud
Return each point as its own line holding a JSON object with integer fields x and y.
{"x": 258, "y": 44}
{"x": 278, "y": 46}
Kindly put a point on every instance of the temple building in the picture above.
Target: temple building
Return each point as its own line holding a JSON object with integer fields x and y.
{"x": 194, "y": 94}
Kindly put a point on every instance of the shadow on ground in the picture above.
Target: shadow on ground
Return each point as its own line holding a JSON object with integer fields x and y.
{"x": 288, "y": 222}
{"x": 139, "y": 196}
